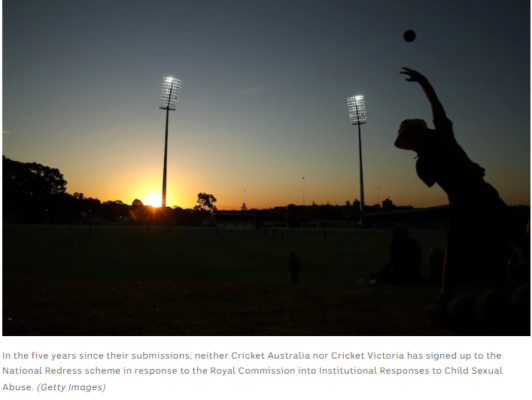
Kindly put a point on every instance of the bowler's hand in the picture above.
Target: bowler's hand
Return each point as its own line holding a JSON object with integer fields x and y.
{"x": 414, "y": 75}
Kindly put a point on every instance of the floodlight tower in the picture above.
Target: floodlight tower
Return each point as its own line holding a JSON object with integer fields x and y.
{"x": 357, "y": 115}
{"x": 169, "y": 96}
{"x": 303, "y": 180}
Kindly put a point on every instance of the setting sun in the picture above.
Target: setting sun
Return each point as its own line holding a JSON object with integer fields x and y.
{"x": 153, "y": 199}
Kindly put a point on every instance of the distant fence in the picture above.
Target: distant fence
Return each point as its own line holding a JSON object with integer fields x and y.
{"x": 235, "y": 225}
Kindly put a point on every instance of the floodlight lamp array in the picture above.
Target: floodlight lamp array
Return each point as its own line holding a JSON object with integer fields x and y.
{"x": 357, "y": 110}
{"x": 170, "y": 93}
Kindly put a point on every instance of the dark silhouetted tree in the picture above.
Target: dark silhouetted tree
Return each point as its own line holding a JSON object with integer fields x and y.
{"x": 206, "y": 203}
{"x": 31, "y": 179}
{"x": 137, "y": 203}
{"x": 244, "y": 208}
{"x": 114, "y": 203}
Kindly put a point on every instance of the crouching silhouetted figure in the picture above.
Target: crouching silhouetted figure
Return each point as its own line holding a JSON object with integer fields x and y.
{"x": 405, "y": 259}
{"x": 294, "y": 264}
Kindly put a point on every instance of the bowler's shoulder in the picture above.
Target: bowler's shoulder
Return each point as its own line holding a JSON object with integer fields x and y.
{"x": 443, "y": 124}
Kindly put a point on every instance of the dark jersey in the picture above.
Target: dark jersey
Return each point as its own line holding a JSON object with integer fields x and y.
{"x": 444, "y": 162}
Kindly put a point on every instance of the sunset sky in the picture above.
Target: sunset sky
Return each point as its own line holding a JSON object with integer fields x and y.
{"x": 264, "y": 95}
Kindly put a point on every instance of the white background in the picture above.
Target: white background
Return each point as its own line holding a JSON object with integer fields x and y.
{"x": 515, "y": 364}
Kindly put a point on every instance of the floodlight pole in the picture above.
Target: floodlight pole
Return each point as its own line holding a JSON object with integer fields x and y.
{"x": 361, "y": 175}
{"x": 169, "y": 96}
{"x": 303, "y": 191}
{"x": 165, "y": 154}
{"x": 358, "y": 117}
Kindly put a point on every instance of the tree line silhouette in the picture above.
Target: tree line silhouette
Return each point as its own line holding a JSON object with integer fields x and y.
{"x": 34, "y": 193}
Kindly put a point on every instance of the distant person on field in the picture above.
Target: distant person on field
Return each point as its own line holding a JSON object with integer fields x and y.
{"x": 405, "y": 259}
{"x": 294, "y": 264}
{"x": 478, "y": 216}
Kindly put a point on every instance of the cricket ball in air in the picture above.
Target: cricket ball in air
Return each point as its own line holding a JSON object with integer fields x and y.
{"x": 409, "y": 35}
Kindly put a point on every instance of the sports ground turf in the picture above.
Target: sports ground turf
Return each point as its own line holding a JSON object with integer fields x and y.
{"x": 198, "y": 255}
{"x": 157, "y": 281}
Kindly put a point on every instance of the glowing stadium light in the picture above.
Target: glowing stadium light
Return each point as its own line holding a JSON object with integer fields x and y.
{"x": 357, "y": 115}
{"x": 169, "y": 96}
{"x": 170, "y": 93}
{"x": 357, "y": 110}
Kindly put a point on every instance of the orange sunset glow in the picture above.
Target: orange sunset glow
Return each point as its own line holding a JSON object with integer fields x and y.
{"x": 152, "y": 199}
{"x": 266, "y": 124}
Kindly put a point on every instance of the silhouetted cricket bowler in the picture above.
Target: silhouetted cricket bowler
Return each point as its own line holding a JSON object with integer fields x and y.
{"x": 478, "y": 216}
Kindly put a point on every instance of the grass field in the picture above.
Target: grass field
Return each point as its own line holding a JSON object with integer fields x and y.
{"x": 198, "y": 255}
{"x": 54, "y": 308}
{"x": 135, "y": 281}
